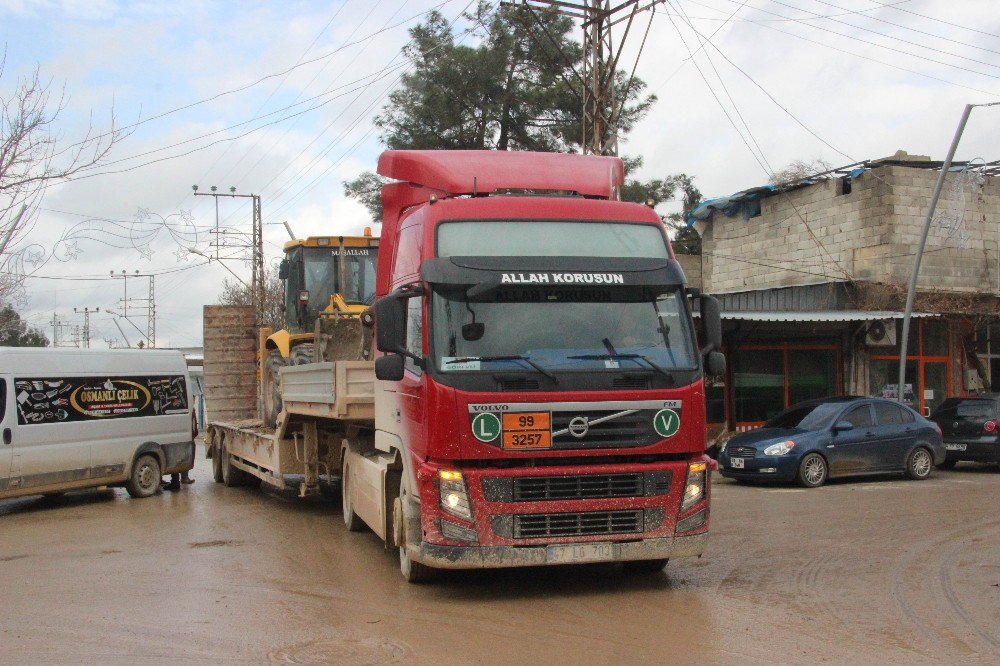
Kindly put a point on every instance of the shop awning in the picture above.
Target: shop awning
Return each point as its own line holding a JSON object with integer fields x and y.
{"x": 821, "y": 315}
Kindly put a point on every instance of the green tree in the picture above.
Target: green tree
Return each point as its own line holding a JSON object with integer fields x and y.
{"x": 15, "y": 332}
{"x": 519, "y": 88}
{"x": 658, "y": 190}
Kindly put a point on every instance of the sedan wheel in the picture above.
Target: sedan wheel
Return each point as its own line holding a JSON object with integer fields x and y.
{"x": 920, "y": 464}
{"x": 812, "y": 471}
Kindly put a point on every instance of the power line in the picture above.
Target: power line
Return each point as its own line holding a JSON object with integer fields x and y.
{"x": 931, "y": 18}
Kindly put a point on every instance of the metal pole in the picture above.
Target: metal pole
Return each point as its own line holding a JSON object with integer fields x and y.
{"x": 912, "y": 289}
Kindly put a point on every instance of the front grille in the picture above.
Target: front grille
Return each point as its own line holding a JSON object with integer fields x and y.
{"x": 576, "y": 486}
{"x": 545, "y": 525}
{"x": 626, "y": 383}
{"x": 741, "y": 451}
{"x": 518, "y": 384}
{"x": 634, "y": 428}
{"x": 589, "y": 486}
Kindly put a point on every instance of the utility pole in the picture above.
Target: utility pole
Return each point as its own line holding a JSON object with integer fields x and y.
{"x": 256, "y": 246}
{"x": 602, "y": 107}
{"x": 55, "y": 330}
{"x": 86, "y": 324}
{"x": 145, "y": 306}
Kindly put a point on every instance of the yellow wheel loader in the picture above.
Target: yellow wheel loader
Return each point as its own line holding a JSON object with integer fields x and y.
{"x": 329, "y": 281}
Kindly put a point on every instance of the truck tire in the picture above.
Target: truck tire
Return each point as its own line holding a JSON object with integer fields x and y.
{"x": 272, "y": 387}
{"x": 302, "y": 353}
{"x": 413, "y": 572}
{"x": 145, "y": 478}
{"x": 351, "y": 519}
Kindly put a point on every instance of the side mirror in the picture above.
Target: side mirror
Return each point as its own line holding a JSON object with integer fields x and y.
{"x": 843, "y": 426}
{"x": 711, "y": 324}
{"x": 390, "y": 323}
{"x": 715, "y": 364}
{"x": 389, "y": 367}
{"x": 283, "y": 270}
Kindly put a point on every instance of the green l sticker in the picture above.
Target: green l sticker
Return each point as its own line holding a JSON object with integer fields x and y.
{"x": 486, "y": 427}
{"x": 666, "y": 423}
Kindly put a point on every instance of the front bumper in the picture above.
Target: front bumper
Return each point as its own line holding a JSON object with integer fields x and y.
{"x": 778, "y": 468}
{"x": 496, "y": 557}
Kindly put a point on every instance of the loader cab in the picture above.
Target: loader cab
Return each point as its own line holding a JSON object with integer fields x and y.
{"x": 327, "y": 273}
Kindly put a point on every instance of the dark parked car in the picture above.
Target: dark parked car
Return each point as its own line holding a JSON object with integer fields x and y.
{"x": 818, "y": 439}
{"x": 970, "y": 428}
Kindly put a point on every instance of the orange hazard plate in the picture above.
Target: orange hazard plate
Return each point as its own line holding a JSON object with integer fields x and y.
{"x": 527, "y": 439}
{"x": 517, "y": 422}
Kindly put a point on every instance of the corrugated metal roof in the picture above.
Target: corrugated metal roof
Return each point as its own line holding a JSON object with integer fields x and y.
{"x": 821, "y": 315}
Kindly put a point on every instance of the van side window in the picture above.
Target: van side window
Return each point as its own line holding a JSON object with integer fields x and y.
{"x": 3, "y": 398}
{"x": 414, "y": 331}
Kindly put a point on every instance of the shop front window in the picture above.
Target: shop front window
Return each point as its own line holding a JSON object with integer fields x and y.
{"x": 759, "y": 383}
{"x": 811, "y": 374}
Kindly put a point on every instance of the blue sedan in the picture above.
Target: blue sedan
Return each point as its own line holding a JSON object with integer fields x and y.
{"x": 819, "y": 439}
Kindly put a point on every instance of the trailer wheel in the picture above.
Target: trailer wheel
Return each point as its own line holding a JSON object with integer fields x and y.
{"x": 413, "y": 572}
{"x": 145, "y": 479}
{"x": 272, "y": 387}
{"x": 351, "y": 519}
{"x": 231, "y": 476}
{"x": 217, "y": 458}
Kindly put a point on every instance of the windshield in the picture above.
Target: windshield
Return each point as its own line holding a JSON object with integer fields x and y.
{"x": 541, "y": 238}
{"x": 359, "y": 272}
{"x": 551, "y": 330}
{"x": 320, "y": 274}
{"x": 806, "y": 417}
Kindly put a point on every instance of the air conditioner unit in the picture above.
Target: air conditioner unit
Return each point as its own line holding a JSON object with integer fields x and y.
{"x": 881, "y": 334}
{"x": 973, "y": 382}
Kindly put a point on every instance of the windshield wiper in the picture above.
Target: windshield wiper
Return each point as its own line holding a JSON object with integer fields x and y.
{"x": 652, "y": 364}
{"x": 466, "y": 359}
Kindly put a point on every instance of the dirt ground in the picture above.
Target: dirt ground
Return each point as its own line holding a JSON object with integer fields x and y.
{"x": 884, "y": 571}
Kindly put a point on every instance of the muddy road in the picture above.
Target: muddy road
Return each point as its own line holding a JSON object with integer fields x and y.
{"x": 885, "y": 571}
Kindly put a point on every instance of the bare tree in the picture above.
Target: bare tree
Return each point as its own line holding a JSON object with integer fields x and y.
{"x": 33, "y": 157}
{"x": 799, "y": 169}
{"x": 237, "y": 293}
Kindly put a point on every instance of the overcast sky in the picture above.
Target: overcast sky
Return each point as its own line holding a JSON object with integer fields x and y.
{"x": 840, "y": 80}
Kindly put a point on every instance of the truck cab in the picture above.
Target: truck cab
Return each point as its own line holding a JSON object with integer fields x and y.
{"x": 539, "y": 395}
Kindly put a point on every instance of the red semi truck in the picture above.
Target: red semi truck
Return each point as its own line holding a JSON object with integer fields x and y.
{"x": 538, "y": 381}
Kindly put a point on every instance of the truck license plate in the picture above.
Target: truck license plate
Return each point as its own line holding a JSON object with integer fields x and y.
{"x": 736, "y": 463}
{"x": 584, "y": 552}
{"x": 955, "y": 447}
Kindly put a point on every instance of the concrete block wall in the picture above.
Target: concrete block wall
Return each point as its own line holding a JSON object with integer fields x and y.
{"x": 819, "y": 234}
{"x": 691, "y": 264}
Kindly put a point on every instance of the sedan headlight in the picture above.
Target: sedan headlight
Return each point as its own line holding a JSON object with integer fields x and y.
{"x": 779, "y": 449}
{"x": 454, "y": 498}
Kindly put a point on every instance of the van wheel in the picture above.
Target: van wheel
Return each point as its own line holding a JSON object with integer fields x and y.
{"x": 145, "y": 479}
{"x": 351, "y": 519}
{"x": 413, "y": 572}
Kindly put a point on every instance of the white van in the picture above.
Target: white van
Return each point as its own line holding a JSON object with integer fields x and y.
{"x": 78, "y": 418}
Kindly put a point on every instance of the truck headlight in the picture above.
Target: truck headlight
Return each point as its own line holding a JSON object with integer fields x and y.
{"x": 454, "y": 498}
{"x": 779, "y": 449}
{"x": 694, "y": 486}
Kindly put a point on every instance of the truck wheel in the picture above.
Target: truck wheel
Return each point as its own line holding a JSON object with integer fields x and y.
{"x": 919, "y": 464}
{"x": 231, "y": 476}
{"x": 146, "y": 476}
{"x": 303, "y": 353}
{"x": 272, "y": 387}
{"x": 645, "y": 566}
{"x": 413, "y": 572}
{"x": 351, "y": 519}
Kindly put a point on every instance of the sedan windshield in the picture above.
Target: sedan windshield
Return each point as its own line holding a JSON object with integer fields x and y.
{"x": 551, "y": 330}
{"x": 806, "y": 417}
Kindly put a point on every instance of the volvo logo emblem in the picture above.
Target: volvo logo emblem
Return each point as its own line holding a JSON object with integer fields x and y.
{"x": 578, "y": 426}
